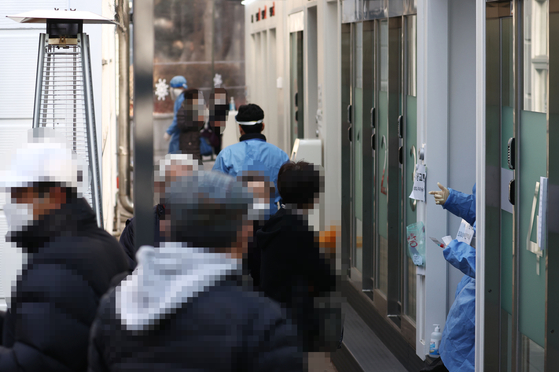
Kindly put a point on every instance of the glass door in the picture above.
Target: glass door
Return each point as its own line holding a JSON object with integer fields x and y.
{"x": 531, "y": 132}
{"x": 357, "y": 147}
{"x": 516, "y": 151}
{"x": 297, "y": 93}
{"x": 389, "y": 200}
{"x": 381, "y": 172}
{"x": 500, "y": 97}
{"x": 363, "y": 189}
{"x": 409, "y": 158}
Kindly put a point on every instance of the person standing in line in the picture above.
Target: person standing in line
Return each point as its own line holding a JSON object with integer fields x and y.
{"x": 293, "y": 271}
{"x": 186, "y": 306}
{"x": 252, "y": 150}
{"x": 191, "y": 117}
{"x": 178, "y": 85}
{"x": 170, "y": 167}
{"x": 218, "y": 117}
{"x": 70, "y": 260}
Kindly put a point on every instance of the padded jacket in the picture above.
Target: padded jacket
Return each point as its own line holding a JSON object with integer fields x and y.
{"x": 70, "y": 265}
{"x": 185, "y": 309}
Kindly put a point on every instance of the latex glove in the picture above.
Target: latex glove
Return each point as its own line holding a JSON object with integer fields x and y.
{"x": 440, "y": 196}
{"x": 166, "y": 136}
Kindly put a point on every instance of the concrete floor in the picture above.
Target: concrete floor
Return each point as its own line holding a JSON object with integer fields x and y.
{"x": 320, "y": 362}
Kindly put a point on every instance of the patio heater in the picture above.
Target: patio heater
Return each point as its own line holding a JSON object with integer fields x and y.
{"x": 64, "y": 90}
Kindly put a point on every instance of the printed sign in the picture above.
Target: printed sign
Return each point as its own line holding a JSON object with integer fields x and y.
{"x": 418, "y": 192}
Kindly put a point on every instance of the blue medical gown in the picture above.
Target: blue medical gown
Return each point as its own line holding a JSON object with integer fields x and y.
{"x": 173, "y": 130}
{"x": 253, "y": 154}
{"x": 457, "y": 347}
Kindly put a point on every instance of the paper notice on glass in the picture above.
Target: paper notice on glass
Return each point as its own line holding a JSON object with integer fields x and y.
{"x": 542, "y": 212}
{"x": 418, "y": 192}
{"x": 465, "y": 233}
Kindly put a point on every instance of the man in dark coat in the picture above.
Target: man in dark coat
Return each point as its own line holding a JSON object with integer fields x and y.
{"x": 127, "y": 236}
{"x": 293, "y": 270}
{"x": 185, "y": 307}
{"x": 69, "y": 267}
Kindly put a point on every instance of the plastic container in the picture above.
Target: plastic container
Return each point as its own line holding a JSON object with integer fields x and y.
{"x": 232, "y": 104}
{"x": 435, "y": 342}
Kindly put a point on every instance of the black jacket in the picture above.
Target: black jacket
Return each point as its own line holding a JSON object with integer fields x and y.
{"x": 70, "y": 265}
{"x": 226, "y": 328}
{"x": 127, "y": 236}
{"x": 293, "y": 271}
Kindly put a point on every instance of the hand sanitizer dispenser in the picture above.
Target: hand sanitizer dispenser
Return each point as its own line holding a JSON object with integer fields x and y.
{"x": 435, "y": 342}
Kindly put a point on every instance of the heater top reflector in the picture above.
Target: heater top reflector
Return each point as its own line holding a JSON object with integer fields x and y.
{"x": 41, "y": 16}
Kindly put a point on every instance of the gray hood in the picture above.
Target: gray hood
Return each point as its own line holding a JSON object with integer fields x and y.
{"x": 164, "y": 279}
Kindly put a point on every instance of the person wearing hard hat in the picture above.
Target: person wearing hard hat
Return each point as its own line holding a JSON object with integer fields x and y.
{"x": 178, "y": 85}
{"x": 70, "y": 260}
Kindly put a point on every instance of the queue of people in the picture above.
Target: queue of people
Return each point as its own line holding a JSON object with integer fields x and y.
{"x": 192, "y": 130}
{"x": 216, "y": 291}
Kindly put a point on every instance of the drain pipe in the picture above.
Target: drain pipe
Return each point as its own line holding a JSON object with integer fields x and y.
{"x": 123, "y": 12}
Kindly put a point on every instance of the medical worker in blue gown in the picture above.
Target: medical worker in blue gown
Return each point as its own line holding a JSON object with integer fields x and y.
{"x": 252, "y": 152}
{"x": 178, "y": 85}
{"x": 457, "y": 348}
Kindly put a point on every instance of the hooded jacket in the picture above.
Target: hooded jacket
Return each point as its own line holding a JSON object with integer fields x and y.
{"x": 457, "y": 346}
{"x": 185, "y": 309}
{"x": 70, "y": 265}
{"x": 293, "y": 271}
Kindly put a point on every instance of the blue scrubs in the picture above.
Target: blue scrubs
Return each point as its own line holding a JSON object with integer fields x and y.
{"x": 173, "y": 131}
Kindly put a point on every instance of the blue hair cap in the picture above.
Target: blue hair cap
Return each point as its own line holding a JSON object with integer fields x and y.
{"x": 178, "y": 82}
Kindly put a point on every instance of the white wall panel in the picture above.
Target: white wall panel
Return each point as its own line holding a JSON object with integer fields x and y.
{"x": 18, "y": 67}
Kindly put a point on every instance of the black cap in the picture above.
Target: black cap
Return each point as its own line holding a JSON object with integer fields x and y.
{"x": 250, "y": 112}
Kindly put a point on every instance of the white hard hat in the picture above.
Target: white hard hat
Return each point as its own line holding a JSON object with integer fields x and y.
{"x": 46, "y": 157}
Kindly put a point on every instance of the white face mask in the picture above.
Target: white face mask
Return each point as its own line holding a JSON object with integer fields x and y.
{"x": 18, "y": 215}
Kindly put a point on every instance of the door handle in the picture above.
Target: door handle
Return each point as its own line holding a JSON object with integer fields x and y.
{"x": 373, "y": 142}
{"x": 350, "y": 133}
{"x": 297, "y": 99}
{"x": 401, "y": 154}
{"x": 373, "y": 118}
{"x": 511, "y": 192}
{"x": 349, "y": 114}
{"x": 511, "y": 152}
{"x": 401, "y": 126}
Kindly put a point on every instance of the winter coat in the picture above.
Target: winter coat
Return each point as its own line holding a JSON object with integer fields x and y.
{"x": 185, "y": 309}
{"x": 253, "y": 150}
{"x": 127, "y": 236}
{"x": 189, "y": 138}
{"x": 70, "y": 265}
{"x": 457, "y": 348}
{"x": 293, "y": 271}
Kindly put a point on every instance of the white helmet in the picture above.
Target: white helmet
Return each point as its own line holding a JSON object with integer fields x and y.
{"x": 46, "y": 157}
